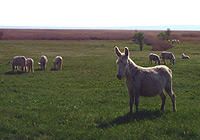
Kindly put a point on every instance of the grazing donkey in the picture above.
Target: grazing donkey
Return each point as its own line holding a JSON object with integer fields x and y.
{"x": 168, "y": 55}
{"x": 57, "y": 63}
{"x": 19, "y": 61}
{"x": 145, "y": 82}
{"x": 43, "y": 62}
{"x": 30, "y": 64}
{"x": 154, "y": 57}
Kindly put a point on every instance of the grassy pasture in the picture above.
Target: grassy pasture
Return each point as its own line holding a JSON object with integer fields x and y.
{"x": 86, "y": 101}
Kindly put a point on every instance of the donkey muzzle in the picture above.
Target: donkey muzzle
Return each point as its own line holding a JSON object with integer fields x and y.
{"x": 119, "y": 77}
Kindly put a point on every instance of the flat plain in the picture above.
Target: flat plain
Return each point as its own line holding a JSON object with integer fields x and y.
{"x": 86, "y": 101}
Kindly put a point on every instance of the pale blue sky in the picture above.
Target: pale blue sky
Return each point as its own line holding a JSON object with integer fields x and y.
{"x": 99, "y": 13}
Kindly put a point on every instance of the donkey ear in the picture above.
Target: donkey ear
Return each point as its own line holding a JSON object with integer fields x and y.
{"x": 117, "y": 51}
{"x": 126, "y": 51}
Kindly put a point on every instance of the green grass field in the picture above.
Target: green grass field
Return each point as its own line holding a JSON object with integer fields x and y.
{"x": 86, "y": 101}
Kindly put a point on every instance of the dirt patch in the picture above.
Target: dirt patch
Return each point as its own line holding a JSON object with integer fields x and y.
{"x": 157, "y": 44}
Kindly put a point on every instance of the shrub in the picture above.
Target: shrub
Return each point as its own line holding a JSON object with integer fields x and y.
{"x": 162, "y": 36}
{"x": 139, "y": 39}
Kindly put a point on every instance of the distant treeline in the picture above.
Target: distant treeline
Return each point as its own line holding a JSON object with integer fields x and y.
{"x": 78, "y": 34}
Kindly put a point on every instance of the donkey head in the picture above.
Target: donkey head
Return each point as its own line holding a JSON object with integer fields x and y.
{"x": 122, "y": 62}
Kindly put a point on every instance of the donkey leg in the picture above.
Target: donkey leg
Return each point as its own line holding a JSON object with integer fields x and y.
{"x": 22, "y": 68}
{"x": 13, "y": 67}
{"x": 131, "y": 101}
{"x": 172, "y": 96}
{"x": 163, "y": 98}
{"x": 170, "y": 61}
{"x": 32, "y": 69}
{"x": 164, "y": 61}
{"x": 137, "y": 103}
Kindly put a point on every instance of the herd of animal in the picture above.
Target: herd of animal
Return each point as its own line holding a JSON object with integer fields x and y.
{"x": 173, "y": 41}
{"x": 28, "y": 63}
{"x": 140, "y": 81}
{"x": 164, "y": 55}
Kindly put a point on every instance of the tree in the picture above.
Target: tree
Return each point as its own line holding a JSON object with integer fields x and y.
{"x": 139, "y": 39}
{"x": 168, "y": 32}
{"x": 162, "y": 36}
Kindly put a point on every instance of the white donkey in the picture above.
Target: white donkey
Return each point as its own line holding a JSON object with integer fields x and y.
{"x": 19, "y": 61}
{"x": 30, "y": 64}
{"x": 57, "y": 63}
{"x": 154, "y": 57}
{"x": 43, "y": 62}
{"x": 145, "y": 82}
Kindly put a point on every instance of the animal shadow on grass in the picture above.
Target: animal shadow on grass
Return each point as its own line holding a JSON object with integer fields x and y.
{"x": 38, "y": 69}
{"x": 53, "y": 69}
{"x": 14, "y": 73}
{"x": 131, "y": 117}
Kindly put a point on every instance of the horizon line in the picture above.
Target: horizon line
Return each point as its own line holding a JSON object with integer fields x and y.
{"x": 160, "y": 27}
